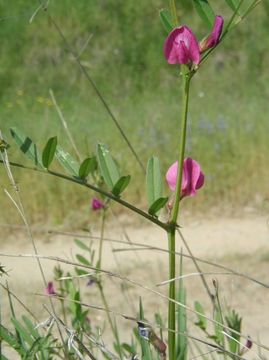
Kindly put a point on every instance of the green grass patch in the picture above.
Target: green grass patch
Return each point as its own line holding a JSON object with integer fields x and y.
{"x": 228, "y": 124}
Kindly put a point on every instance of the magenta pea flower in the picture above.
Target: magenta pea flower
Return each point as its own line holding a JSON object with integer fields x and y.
{"x": 49, "y": 290}
{"x": 181, "y": 47}
{"x": 213, "y": 38}
{"x": 97, "y": 204}
{"x": 192, "y": 177}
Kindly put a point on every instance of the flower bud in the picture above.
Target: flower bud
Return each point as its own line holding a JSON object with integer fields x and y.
{"x": 97, "y": 204}
{"x": 213, "y": 38}
{"x": 49, "y": 290}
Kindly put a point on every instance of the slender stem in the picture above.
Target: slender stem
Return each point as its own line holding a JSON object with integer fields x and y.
{"x": 108, "y": 313}
{"x": 175, "y": 210}
{"x": 101, "y": 238}
{"x": 197, "y": 267}
{"x": 109, "y": 195}
{"x": 100, "y": 287}
{"x": 173, "y": 10}
{"x": 99, "y": 281}
{"x": 221, "y": 321}
{"x": 64, "y": 123}
{"x": 182, "y": 143}
{"x": 172, "y": 295}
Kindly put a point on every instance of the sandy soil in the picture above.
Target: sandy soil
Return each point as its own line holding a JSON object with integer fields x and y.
{"x": 240, "y": 243}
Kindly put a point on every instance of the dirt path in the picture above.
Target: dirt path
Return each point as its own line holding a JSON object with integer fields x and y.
{"x": 239, "y": 243}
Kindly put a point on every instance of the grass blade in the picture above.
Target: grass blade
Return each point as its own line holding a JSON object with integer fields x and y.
{"x": 12, "y": 341}
{"x": 233, "y": 4}
{"x": 145, "y": 346}
{"x": 22, "y": 331}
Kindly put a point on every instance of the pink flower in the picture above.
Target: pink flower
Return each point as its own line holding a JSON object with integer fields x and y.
{"x": 97, "y": 204}
{"x": 49, "y": 290}
{"x": 192, "y": 179}
{"x": 213, "y": 38}
{"x": 181, "y": 47}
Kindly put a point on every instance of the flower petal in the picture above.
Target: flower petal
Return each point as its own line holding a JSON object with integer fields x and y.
{"x": 171, "y": 176}
{"x": 181, "y": 46}
{"x": 192, "y": 177}
{"x": 213, "y": 38}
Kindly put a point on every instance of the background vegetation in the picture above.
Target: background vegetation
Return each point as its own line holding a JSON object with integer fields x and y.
{"x": 229, "y": 114}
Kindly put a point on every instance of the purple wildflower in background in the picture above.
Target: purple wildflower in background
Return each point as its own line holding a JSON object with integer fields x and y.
{"x": 249, "y": 343}
{"x": 181, "y": 47}
{"x": 91, "y": 281}
{"x": 213, "y": 38}
{"x": 49, "y": 290}
{"x": 192, "y": 177}
{"x": 97, "y": 204}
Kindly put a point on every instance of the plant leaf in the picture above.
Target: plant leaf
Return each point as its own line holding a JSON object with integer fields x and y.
{"x": 81, "y": 272}
{"x": 107, "y": 165}
{"x": 154, "y": 180}
{"x": 12, "y": 341}
{"x": 88, "y": 166}
{"x": 121, "y": 185}
{"x": 83, "y": 260}
{"x": 67, "y": 161}
{"x": 233, "y": 4}
{"x": 27, "y": 146}
{"x": 201, "y": 319}
{"x": 49, "y": 152}
{"x": 205, "y": 11}
{"x": 30, "y": 326}
{"x": 166, "y": 20}
{"x": 157, "y": 205}
{"x": 22, "y": 331}
{"x": 218, "y": 326}
{"x": 82, "y": 245}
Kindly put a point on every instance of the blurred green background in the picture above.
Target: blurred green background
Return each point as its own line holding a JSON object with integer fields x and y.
{"x": 228, "y": 121}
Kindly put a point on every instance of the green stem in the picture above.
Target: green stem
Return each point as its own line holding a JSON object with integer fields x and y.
{"x": 109, "y": 195}
{"x": 182, "y": 143}
{"x": 100, "y": 287}
{"x": 172, "y": 295}
{"x": 173, "y": 10}
{"x": 63, "y": 310}
{"x": 172, "y": 231}
{"x": 99, "y": 281}
{"x": 101, "y": 239}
